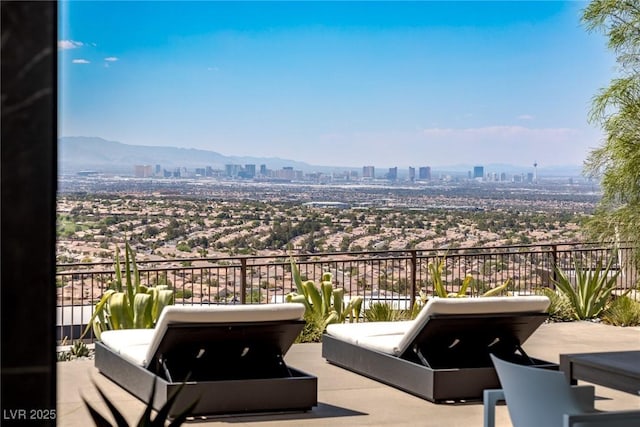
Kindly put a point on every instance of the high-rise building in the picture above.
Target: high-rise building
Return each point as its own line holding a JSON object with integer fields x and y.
{"x": 368, "y": 172}
{"x": 424, "y": 173}
{"x": 478, "y": 172}
{"x": 232, "y": 170}
{"x": 142, "y": 171}
{"x": 263, "y": 170}
{"x": 412, "y": 173}
{"x": 249, "y": 171}
{"x": 392, "y": 175}
{"x": 287, "y": 172}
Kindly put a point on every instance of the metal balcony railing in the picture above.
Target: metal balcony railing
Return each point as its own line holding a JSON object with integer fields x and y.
{"x": 394, "y": 277}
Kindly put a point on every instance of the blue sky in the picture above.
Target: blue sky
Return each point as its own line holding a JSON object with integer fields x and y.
{"x": 336, "y": 83}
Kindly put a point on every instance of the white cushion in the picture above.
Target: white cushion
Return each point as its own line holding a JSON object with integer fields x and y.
{"x": 139, "y": 345}
{"x": 394, "y": 340}
{"x": 131, "y": 344}
{"x": 379, "y": 336}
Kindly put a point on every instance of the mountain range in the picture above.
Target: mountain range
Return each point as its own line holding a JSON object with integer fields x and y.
{"x": 77, "y": 153}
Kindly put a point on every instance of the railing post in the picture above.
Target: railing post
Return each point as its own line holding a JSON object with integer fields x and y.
{"x": 243, "y": 280}
{"x": 414, "y": 268}
{"x": 554, "y": 257}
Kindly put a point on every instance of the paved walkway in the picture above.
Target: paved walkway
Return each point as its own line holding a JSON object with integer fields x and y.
{"x": 348, "y": 399}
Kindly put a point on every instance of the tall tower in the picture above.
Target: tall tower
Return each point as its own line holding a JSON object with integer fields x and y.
{"x": 478, "y": 172}
{"x": 535, "y": 172}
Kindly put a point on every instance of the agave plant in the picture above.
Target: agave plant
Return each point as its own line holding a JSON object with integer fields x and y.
{"x": 383, "y": 312}
{"x": 560, "y": 308}
{"x": 129, "y": 304}
{"x": 145, "y": 420}
{"x": 592, "y": 290}
{"x": 325, "y": 304}
{"x": 623, "y": 311}
{"x": 79, "y": 349}
{"x": 435, "y": 271}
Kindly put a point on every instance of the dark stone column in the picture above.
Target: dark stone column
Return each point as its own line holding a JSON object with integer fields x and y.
{"x": 28, "y": 200}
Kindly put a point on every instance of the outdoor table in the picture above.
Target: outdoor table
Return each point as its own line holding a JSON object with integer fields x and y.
{"x": 619, "y": 370}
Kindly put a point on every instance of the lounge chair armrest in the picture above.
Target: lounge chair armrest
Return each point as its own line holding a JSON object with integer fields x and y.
{"x": 602, "y": 419}
{"x": 490, "y": 399}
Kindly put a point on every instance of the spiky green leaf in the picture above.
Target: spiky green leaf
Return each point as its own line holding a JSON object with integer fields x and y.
{"x": 498, "y": 289}
{"x": 327, "y": 292}
{"x": 314, "y": 296}
{"x": 98, "y": 312}
{"x": 297, "y": 279}
{"x": 142, "y": 308}
{"x": 338, "y": 301}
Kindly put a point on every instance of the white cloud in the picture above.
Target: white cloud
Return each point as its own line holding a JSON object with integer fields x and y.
{"x": 69, "y": 44}
{"x": 111, "y": 59}
{"x": 525, "y": 117}
{"x": 212, "y": 69}
{"x": 81, "y": 61}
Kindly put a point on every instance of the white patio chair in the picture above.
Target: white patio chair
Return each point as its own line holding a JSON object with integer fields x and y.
{"x": 539, "y": 397}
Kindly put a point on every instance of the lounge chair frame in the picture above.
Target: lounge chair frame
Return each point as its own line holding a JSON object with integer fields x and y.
{"x": 229, "y": 368}
{"x": 449, "y": 359}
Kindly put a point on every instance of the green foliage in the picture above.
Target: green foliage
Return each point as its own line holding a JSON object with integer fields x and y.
{"x": 383, "y": 312}
{"x": 128, "y": 304}
{"x": 623, "y": 311}
{"x": 160, "y": 420}
{"x": 419, "y": 303}
{"x": 183, "y": 247}
{"x": 497, "y": 290}
{"x": 63, "y": 356}
{"x": 560, "y": 308}
{"x": 313, "y": 329}
{"x": 184, "y": 293}
{"x": 253, "y": 296}
{"x": 616, "y": 109}
{"x": 323, "y": 305}
{"x": 592, "y": 289}
{"x": 79, "y": 349}
{"x": 436, "y": 269}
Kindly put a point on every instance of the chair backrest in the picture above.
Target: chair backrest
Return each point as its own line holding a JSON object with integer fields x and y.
{"x": 538, "y": 397}
{"x": 472, "y": 306}
{"x": 220, "y": 314}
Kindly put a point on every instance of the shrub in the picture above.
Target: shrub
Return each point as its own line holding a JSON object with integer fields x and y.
{"x": 623, "y": 311}
{"x": 592, "y": 290}
{"x": 128, "y": 304}
{"x": 313, "y": 329}
{"x": 560, "y": 308}
{"x": 184, "y": 294}
{"x": 436, "y": 269}
{"x": 183, "y": 247}
{"x": 383, "y": 312}
{"x": 79, "y": 349}
{"x": 323, "y": 305}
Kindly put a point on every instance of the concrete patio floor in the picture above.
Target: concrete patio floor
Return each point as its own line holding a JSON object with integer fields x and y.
{"x": 348, "y": 399}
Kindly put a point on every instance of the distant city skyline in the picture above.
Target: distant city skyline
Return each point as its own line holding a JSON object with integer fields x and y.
{"x": 339, "y": 83}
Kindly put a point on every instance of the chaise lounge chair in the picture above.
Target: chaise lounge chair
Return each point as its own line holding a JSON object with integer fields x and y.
{"x": 230, "y": 357}
{"x": 442, "y": 355}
